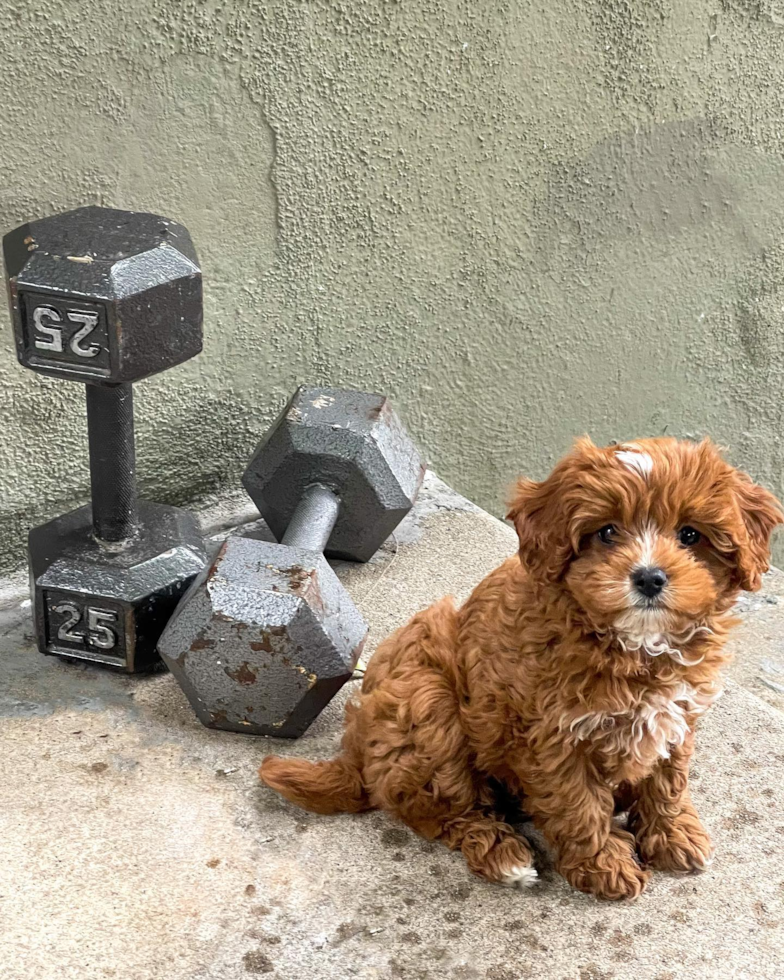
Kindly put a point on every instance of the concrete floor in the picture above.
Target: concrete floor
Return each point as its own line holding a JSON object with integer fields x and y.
{"x": 137, "y": 845}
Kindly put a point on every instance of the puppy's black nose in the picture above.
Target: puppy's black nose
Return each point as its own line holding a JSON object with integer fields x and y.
{"x": 649, "y": 581}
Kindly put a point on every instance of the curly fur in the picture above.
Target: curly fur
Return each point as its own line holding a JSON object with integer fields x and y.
{"x": 558, "y": 681}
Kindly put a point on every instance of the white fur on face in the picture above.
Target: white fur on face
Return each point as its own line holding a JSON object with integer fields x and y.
{"x": 650, "y": 628}
{"x": 640, "y": 613}
{"x": 646, "y": 627}
{"x": 635, "y": 459}
{"x": 646, "y": 543}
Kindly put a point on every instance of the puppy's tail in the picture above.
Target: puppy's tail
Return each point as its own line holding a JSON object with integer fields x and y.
{"x": 323, "y": 787}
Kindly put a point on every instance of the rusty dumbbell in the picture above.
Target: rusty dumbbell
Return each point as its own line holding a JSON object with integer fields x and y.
{"x": 267, "y": 635}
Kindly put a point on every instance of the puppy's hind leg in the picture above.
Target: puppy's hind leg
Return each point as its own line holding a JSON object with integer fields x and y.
{"x": 463, "y": 820}
{"x": 491, "y": 848}
{"x": 419, "y": 768}
{"x": 417, "y": 764}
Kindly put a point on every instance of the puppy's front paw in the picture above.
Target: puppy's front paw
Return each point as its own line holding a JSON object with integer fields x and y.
{"x": 613, "y": 873}
{"x": 680, "y": 844}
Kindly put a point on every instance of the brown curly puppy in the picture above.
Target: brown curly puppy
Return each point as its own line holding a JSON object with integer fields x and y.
{"x": 574, "y": 674}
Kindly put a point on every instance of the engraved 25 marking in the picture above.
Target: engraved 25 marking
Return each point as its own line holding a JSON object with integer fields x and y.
{"x": 49, "y": 331}
{"x": 99, "y": 622}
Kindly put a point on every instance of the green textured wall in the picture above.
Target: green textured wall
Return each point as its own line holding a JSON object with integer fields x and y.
{"x": 522, "y": 220}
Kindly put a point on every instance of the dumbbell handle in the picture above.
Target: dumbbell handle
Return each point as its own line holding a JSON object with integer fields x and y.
{"x": 312, "y": 522}
{"x": 112, "y": 461}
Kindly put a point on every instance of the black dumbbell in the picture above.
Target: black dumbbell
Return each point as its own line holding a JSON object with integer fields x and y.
{"x": 268, "y": 635}
{"x": 107, "y": 297}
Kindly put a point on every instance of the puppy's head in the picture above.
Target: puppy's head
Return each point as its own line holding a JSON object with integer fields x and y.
{"x": 650, "y": 537}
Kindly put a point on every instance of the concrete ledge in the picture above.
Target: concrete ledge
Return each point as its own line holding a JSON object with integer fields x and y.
{"x": 136, "y": 844}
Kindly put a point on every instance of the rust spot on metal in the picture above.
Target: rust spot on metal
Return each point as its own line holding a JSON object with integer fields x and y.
{"x": 314, "y": 598}
{"x": 218, "y": 716}
{"x": 312, "y": 678}
{"x": 298, "y": 577}
{"x": 264, "y": 644}
{"x": 376, "y": 410}
{"x": 243, "y": 674}
{"x": 302, "y": 581}
{"x": 203, "y": 643}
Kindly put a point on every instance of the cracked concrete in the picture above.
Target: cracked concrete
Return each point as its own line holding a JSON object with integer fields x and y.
{"x": 137, "y": 845}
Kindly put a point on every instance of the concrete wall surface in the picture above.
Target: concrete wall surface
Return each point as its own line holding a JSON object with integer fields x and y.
{"x": 523, "y": 220}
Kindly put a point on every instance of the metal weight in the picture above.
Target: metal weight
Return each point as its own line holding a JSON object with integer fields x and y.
{"x": 350, "y": 441}
{"x": 266, "y": 636}
{"x": 103, "y": 296}
{"x": 265, "y": 641}
{"x": 107, "y": 297}
{"x": 109, "y": 606}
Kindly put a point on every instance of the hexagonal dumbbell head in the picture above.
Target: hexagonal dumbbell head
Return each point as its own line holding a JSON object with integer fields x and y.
{"x": 353, "y": 443}
{"x": 109, "y": 606}
{"x": 111, "y": 312}
{"x": 264, "y": 639}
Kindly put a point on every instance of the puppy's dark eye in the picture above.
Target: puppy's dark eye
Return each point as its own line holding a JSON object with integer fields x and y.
{"x": 689, "y": 536}
{"x": 608, "y": 533}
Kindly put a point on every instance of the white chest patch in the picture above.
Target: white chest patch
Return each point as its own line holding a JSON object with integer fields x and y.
{"x": 636, "y": 630}
{"x": 649, "y": 730}
{"x": 635, "y": 459}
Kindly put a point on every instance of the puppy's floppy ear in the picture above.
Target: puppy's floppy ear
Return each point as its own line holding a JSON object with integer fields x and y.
{"x": 540, "y": 516}
{"x": 527, "y": 512}
{"x": 761, "y": 514}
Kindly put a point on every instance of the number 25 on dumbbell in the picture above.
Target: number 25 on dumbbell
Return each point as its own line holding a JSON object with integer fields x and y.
{"x": 63, "y": 336}
{"x": 92, "y": 626}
